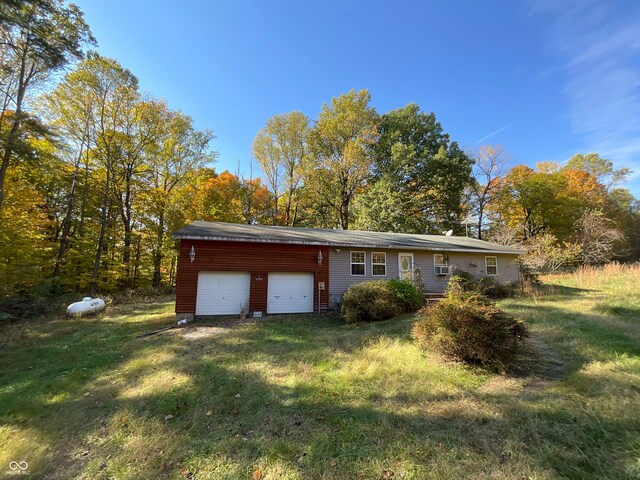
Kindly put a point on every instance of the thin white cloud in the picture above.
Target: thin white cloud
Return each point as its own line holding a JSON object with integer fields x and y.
{"x": 501, "y": 129}
{"x": 599, "y": 43}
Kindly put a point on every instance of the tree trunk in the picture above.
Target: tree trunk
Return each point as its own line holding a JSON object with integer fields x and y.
{"x": 172, "y": 271}
{"x": 136, "y": 264}
{"x": 103, "y": 228}
{"x": 275, "y": 211}
{"x": 125, "y": 214}
{"x": 8, "y": 148}
{"x": 344, "y": 214}
{"x": 126, "y": 256}
{"x": 66, "y": 224}
{"x": 83, "y": 208}
{"x": 157, "y": 258}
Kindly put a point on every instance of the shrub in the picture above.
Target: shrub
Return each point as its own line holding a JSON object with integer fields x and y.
{"x": 408, "y": 296}
{"x": 487, "y": 286}
{"x": 369, "y": 301}
{"x": 467, "y": 326}
{"x": 139, "y": 295}
{"x": 492, "y": 288}
{"x": 528, "y": 278}
{"x": 31, "y": 307}
{"x": 459, "y": 280}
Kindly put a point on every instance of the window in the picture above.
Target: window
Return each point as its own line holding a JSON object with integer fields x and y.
{"x": 357, "y": 263}
{"x": 379, "y": 264}
{"x": 440, "y": 265}
{"x": 491, "y": 265}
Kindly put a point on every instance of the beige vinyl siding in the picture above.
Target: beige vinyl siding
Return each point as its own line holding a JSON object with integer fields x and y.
{"x": 340, "y": 277}
{"x": 469, "y": 262}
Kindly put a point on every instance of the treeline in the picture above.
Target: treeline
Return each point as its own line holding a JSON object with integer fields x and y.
{"x": 400, "y": 172}
{"x": 97, "y": 175}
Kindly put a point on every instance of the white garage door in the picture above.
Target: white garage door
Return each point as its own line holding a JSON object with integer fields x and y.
{"x": 290, "y": 293}
{"x": 222, "y": 293}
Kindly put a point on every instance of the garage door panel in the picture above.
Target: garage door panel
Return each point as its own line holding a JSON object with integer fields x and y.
{"x": 290, "y": 293}
{"x": 222, "y": 293}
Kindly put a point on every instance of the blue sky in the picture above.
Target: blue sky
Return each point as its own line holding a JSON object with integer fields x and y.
{"x": 544, "y": 78}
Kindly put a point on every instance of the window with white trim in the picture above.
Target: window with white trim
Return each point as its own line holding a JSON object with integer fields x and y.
{"x": 357, "y": 263}
{"x": 491, "y": 265}
{"x": 440, "y": 264}
{"x": 378, "y": 264}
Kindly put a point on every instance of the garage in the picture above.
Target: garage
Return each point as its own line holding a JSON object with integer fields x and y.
{"x": 222, "y": 293}
{"x": 290, "y": 293}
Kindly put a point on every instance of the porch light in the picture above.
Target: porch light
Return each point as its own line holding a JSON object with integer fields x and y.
{"x": 192, "y": 253}
{"x": 320, "y": 257}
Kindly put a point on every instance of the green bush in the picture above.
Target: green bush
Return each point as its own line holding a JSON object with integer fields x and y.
{"x": 369, "y": 301}
{"x": 408, "y": 296}
{"x": 467, "y": 326}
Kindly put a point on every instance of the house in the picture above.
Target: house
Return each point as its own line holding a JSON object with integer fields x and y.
{"x": 226, "y": 268}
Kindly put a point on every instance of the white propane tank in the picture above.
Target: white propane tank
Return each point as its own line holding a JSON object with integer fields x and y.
{"x": 87, "y": 305}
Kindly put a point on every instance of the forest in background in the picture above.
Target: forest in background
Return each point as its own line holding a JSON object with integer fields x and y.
{"x": 96, "y": 175}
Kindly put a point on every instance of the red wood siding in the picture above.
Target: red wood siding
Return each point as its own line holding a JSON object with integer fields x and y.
{"x": 255, "y": 258}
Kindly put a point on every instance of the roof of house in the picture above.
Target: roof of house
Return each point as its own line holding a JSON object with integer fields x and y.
{"x": 234, "y": 232}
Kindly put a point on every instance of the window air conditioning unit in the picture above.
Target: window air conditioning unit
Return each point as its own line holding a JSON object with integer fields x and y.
{"x": 442, "y": 269}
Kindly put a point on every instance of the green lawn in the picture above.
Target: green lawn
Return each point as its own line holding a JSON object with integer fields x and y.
{"x": 306, "y": 397}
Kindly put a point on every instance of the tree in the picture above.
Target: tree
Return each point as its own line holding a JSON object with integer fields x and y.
{"x": 528, "y": 201}
{"x": 562, "y": 215}
{"x": 115, "y": 90}
{"x": 22, "y": 245}
{"x": 172, "y": 163}
{"x": 341, "y": 142}
{"x": 550, "y": 200}
{"x": 491, "y": 163}
{"x": 383, "y": 208}
{"x": 624, "y": 210}
{"x": 37, "y": 38}
{"x": 70, "y": 110}
{"x": 546, "y": 254}
{"x": 280, "y": 148}
{"x": 427, "y": 172}
{"x": 601, "y": 169}
{"x": 142, "y": 125}
{"x": 597, "y": 237}
{"x": 217, "y": 199}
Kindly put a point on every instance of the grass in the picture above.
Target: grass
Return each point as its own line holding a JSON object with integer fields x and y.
{"x": 308, "y": 397}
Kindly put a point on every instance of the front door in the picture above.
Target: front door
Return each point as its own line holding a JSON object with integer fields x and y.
{"x": 405, "y": 266}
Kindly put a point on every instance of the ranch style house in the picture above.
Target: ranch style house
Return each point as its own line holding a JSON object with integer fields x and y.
{"x": 226, "y": 268}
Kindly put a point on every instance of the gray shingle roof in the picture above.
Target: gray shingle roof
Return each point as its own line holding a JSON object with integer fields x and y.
{"x": 200, "y": 230}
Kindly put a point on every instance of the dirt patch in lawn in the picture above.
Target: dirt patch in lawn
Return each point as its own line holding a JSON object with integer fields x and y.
{"x": 202, "y": 331}
{"x": 209, "y": 328}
